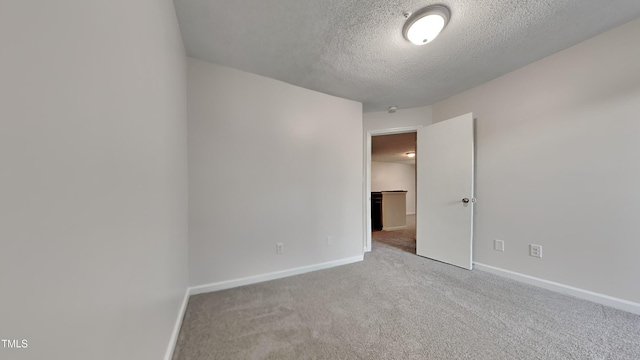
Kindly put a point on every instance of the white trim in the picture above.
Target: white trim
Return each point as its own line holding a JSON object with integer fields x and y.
{"x": 176, "y": 328}
{"x": 411, "y": 213}
{"x": 367, "y": 174}
{"x": 391, "y": 228}
{"x": 606, "y": 300}
{"x": 228, "y": 284}
{"x": 367, "y": 192}
{"x": 396, "y": 130}
{"x": 473, "y": 183}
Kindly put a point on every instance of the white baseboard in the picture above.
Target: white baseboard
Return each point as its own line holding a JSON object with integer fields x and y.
{"x": 200, "y": 289}
{"x": 606, "y": 300}
{"x": 391, "y": 228}
{"x": 228, "y": 284}
{"x": 176, "y": 328}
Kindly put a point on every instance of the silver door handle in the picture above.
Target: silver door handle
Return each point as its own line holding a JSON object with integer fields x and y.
{"x": 465, "y": 200}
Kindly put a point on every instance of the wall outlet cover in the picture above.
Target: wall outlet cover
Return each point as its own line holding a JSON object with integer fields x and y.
{"x": 498, "y": 245}
{"x": 329, "y": 241}
{"x": 535, "y": 250}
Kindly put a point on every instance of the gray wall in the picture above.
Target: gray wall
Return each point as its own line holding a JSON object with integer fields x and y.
{"x": 93, "y": 195}
{"x": 269, "y": 162}
{"x": 558, "y": 158}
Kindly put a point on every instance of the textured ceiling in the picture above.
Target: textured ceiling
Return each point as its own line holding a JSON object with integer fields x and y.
{"x": 393, "y": 148}
{"x": 354, "y": 49}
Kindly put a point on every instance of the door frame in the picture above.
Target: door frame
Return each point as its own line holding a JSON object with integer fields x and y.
{"x": 367, "y": 167}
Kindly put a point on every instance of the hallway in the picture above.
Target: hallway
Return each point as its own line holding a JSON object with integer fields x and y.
{"x": 404, "y": 239}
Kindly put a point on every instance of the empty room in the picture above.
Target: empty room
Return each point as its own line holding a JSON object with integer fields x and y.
{"x": 202, "y": 179}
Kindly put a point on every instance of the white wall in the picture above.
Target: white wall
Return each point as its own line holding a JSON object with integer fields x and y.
{"x": 392, "y": 176}
{"x": 380, "y": 120}
{"x": 558, "y": 165}
{"x": 269, "y": 162}
{"x": 93, "y": 209}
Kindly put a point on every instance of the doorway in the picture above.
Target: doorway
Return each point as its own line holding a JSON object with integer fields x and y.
{"x": 387, "y": 154}
{"x": 444, "y": 189}
{"x": 393, "y": 190}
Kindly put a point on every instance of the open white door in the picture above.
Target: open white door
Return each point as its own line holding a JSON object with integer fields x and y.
{"x": 444, "y": 188}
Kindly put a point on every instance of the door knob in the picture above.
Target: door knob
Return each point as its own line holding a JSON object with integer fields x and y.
{"x": 465, "y": 200}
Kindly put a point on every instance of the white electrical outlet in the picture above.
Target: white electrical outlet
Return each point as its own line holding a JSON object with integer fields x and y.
{"x": 535, "y": 250}
{"x": 280, "y": 248}
{"x": 498, "y": 245}
{"x": 329, "y": 241}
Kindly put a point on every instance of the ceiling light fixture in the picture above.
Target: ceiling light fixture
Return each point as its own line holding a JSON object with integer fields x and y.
{"x": 411, "y": 154}
{"x": 424, "y": 25}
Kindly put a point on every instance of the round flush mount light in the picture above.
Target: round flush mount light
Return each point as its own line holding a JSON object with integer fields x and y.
{"x": 424, "y": 25}
{"x": 411, "y": 154}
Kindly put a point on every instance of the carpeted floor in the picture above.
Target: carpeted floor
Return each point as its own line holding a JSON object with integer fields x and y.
{"x": 397, "y": 305}
{"x": 404, "y": 239}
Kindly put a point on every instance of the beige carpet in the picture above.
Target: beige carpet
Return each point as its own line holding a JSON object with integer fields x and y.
{"x": 404, "y": 239}
{"x": 397, "y": 305}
